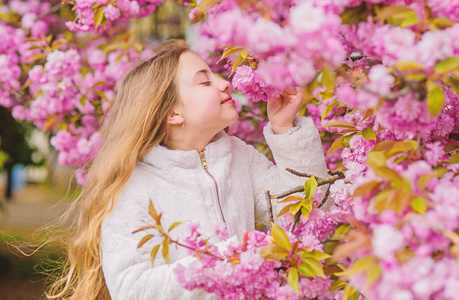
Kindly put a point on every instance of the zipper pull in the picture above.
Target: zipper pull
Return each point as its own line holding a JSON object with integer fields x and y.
{"x": 203, "y": 160}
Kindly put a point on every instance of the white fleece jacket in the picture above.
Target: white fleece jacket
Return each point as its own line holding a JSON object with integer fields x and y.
{"x": 179, "y": 187}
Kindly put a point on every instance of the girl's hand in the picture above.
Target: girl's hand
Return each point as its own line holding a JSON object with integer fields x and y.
{"x": 283, "y": 109}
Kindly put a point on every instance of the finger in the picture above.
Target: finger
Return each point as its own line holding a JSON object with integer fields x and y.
{"x": 286, "y": 97}
{"x": 290, "y": 90}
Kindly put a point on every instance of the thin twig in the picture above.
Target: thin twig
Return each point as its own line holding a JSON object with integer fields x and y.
{"x": 190, "y": 248}
{"x": 334, "y": 172}
{"x": 297, "y": 173}
{"x": 332, "y": 179}
{"x": 324, "y": 199}
{"x": 299, "y": 188}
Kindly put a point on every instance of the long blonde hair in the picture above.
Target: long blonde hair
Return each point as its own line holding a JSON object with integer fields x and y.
{"x": 137, "y": 122}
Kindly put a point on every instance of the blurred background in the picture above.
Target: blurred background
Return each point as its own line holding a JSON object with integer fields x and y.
{"x": 35, "y": 190}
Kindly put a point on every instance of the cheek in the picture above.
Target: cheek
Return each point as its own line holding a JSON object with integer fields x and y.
{"x": 202, "y": 113}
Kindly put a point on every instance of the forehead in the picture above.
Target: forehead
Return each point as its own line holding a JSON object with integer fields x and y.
{"x": 189, "y": 65}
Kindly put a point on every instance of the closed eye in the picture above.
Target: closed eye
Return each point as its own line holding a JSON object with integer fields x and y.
{"x": 206, "y": 82}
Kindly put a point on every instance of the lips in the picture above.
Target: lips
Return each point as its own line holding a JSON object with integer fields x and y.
{"x": 228, "y": 100}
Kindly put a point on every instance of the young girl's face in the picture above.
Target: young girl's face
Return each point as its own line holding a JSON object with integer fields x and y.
{"x": 204, "y": 102}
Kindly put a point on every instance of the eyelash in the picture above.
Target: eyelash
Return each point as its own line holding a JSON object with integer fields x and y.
{"x": 207, "y": 82}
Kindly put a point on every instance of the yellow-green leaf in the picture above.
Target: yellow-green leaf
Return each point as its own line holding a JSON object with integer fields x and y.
{"x": 435, "y": 100}
{"x": 388, "y": 173}
{"x": 419, "y": 205}
{"x": 317, "y": 255}
{"x": 305, "y": 212}
{"x": 416, "y": 77}
{"x": 328, "y": 79}
{"x": 305, "y": 271}
{"x": 153, "y": 254}
{"x": 408, "y": 66}
{"x": 273, "y": 252}
{"x": 310, "y": 187}
{"x": 390, "y": 11}
{"x": 230, "y": 51}
{"x": 151, "y": 210}
{"x": 355, "y": 296}
{"x": 83, "y": 100}
{"x": 360, "y": 265}
{"x": 236, "y": 64}
{"x": 331, "y": 269}
{"x": 144, "y": 240}
{"x": 36, "y": 57}
{"x": 293, "y": 280}
{"x": 307, "y": 203}
{"x": 441, "y": 23}
{"x": 353, "y": 15}
{"x": 347, "y": 140}
{"x": 284, "y": 210}
{"x": 376, "y": 159}
{"x": 447, "y": 65}
{"x": 295, "y": 208}
{"x": 174, "y": 225}
{"x": 166, "y": 250}
{"x": 348, "y": 292}
{"x": 244, "y": 54}
{"x": 339, "y": 124}
{"x": 369, "y": 134}
{"x": 327, "y": 110}
{"x": 424, "y": 180}
{"x": 451, "y": 148}
{"x": 313, "y": 266}
{"x": 99, "y": 83}
{"x": 454, "y": 159}
{"x": 383, "y": 146}
{"x": 373, "y": 274}
{"x": 98, "y": 17}
{"x": 367, "y": 188}
{"x": 399, "y": 147}
{"x": 337, "y": 285}
{"x": 338, "y": 143}
{"x": 291, "y": 199}
{"x": 280, "y": 237}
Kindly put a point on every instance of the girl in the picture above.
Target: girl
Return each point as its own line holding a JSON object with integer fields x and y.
{"x": 165, "y": 142}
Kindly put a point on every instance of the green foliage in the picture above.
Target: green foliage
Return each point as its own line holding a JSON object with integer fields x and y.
{"x": 435, "y": 100}
{"x": 164, "y": 234}
{"x": 447, "y": 65}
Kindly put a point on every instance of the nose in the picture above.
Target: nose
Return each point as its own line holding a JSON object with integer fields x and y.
{"x": 223, "y": 85}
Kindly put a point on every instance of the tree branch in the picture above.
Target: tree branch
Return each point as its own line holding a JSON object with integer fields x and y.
{"x": 324, "y": 199}
{"x": 300, "y": 188}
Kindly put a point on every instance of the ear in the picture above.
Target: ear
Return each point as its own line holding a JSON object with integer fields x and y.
{"x": 175, "y": 119}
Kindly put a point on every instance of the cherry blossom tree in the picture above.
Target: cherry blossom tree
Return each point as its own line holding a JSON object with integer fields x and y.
{"x": 381, "y": 82}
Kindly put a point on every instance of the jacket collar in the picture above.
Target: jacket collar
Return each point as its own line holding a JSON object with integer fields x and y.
{"x": 164, "y": 158}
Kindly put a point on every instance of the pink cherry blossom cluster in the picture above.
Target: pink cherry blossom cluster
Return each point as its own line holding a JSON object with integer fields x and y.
{"x": 283, "y": 58}
{"x": 243, "y": 273}
{"x": 67, "y": 89}
{"x": 376, "y": 99}
{"x": 110, "y": 12}
{"x": 414, "y": 251}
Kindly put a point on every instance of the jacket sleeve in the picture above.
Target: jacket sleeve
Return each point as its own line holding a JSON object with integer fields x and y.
{"x": 128, "y": 271}
{"x": 300, "y": 151}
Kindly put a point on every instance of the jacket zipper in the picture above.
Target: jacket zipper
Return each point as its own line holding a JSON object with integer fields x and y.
{"x": 205, "y": 166}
